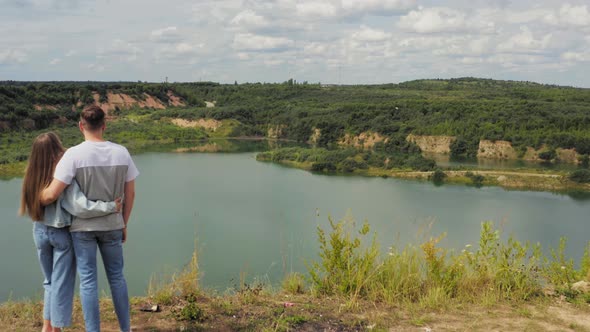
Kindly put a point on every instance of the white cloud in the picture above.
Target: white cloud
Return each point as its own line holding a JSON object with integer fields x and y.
{"x": 184, "y": 52}
{"x": 569, "y": 15}
{"x": 243, "y": 56}
{"x": 472, "y": 60}
{"x": 514, "y": 60}
{"x": 422, "y": 43}
{"x": 273, "y": 62}
{"x": 42, "y": 4}
{"x": 12, "y": 56}
{"x": 218, "y": 11}
{"x": 431, "y": 20}
{"x": 166, "y": 35}
{"x": 576, "y": 56}
{"x": 270, "y": 40}
{"x": 467, "y": 46}
{"x": 96, "y": 67}
{"x": 525, "y": 42}
{"x": 366, "y": 34}
{"x": 524, "y": 16}
{"x": 479, "y": 46}
{"x": 250, "y": 20}
{"x": 120, "y": 50}
{"x": 442, "y": 19}
{"x": 54, "y": 61}
{"x": 252, "y": 42}
{"x": 315, "y": 49}
{"x": 314, "y": 9}
{"x": 377, "y": 6}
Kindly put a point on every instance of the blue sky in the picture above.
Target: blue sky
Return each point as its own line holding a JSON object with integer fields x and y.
{"x": 330, "y": 41}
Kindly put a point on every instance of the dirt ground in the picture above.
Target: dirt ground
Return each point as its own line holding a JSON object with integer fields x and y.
{"x": 280, "y": 312}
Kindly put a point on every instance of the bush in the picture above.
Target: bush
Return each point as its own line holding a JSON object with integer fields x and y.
{"x": 191, "y": 312}
{"x": 459, "y": 148}
{"x": 438, "y": 176}
{"x": 476, "y": 179}
{"x": 580, "y": 176}
{"x": 294, "y": 283}
{"x": 548, "y": 155}
{"x": 585, "y": 161}
{"x": 323, "y": 167}
{"x": 346, "y": 266}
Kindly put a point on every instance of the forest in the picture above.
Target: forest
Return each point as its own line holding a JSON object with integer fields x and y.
{"x": 471, "y": 109}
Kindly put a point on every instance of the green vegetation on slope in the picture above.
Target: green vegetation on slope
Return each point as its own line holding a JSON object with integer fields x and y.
{"x": 16, "y": 146}
{"x": 525, "y": 114}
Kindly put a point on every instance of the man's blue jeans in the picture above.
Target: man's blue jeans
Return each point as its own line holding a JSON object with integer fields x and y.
{"x": 56, "y": 256}
{"x": 111, "y": 250}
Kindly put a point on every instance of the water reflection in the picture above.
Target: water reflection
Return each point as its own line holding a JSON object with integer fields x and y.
{"x": 446, "y": 161}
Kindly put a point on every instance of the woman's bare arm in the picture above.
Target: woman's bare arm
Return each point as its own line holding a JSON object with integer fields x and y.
{"x": 51, "y": 193}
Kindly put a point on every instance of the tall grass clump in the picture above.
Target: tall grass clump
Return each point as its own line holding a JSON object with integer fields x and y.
{"x": 347, "y": 266}
{"x": 431, "y": 276}
{"x": 183, "y": 284}
{"x": 510, "y": 269}
{"x": 294, "y": 283}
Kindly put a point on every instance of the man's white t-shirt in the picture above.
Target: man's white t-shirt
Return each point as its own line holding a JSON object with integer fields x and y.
{"x": 101, "y": 169}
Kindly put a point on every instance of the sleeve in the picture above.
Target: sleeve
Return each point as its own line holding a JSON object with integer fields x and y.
{"x": 132, "y": 171}
{"x": 65, "y": 169}
{"x": 75, "y": 202}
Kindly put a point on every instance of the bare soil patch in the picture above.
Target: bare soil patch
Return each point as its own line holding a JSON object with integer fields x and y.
{"x": 209, "y": 124}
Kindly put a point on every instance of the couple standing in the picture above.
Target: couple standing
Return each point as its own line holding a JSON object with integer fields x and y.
{"x": 75, "y": 199}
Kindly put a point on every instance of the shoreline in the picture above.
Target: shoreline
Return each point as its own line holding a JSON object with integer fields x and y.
{"x": 509, "y": 179}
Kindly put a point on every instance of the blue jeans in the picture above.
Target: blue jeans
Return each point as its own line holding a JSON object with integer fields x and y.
{"x": 56, "y": 256}
{"x": 111, "y": 250}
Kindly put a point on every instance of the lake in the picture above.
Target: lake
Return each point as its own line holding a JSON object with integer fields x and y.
{"x": 259, "y": 219}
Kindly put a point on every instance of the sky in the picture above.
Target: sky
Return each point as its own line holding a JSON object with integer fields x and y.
{"x": 330, "y": 41}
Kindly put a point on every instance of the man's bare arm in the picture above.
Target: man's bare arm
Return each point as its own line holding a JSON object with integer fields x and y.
{"x": 128, "y": 200}
{"x": 51, "y": 193}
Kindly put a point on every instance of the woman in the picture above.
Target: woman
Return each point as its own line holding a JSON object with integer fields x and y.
{"x": 51, "y": 228}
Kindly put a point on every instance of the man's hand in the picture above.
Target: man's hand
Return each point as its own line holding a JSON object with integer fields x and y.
{"x": 119, "y": 204}
{"x": 129, "y": 194}
{"x": 124, "y": 234}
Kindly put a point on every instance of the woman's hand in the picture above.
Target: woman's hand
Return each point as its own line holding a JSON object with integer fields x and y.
{"x": 119, "y": 204}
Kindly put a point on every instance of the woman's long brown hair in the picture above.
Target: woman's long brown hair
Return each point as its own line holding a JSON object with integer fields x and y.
{"x": 46, "y": 152}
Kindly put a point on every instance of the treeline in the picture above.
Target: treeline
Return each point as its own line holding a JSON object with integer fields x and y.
{"x": 524, "y": 113}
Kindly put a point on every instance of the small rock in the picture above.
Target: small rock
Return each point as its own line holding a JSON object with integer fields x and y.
{"x": 502, "y": 178}
{"x": 581, "y": 286}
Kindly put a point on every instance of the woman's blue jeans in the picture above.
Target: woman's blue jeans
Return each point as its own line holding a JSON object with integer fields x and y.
{"x": 110, "y": 244}
{"x": 56, "y": 256}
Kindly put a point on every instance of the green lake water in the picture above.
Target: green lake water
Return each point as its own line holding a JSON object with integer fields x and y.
{"x": 259, "y": 219}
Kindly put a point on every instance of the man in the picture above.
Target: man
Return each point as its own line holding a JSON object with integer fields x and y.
{"x": 104, "y": 171}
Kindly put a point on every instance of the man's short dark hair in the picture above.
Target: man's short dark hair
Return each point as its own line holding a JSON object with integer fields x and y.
{"x": 92, "y": 118}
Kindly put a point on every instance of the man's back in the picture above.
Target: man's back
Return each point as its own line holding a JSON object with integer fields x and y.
{"x": 101, "y": 169}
